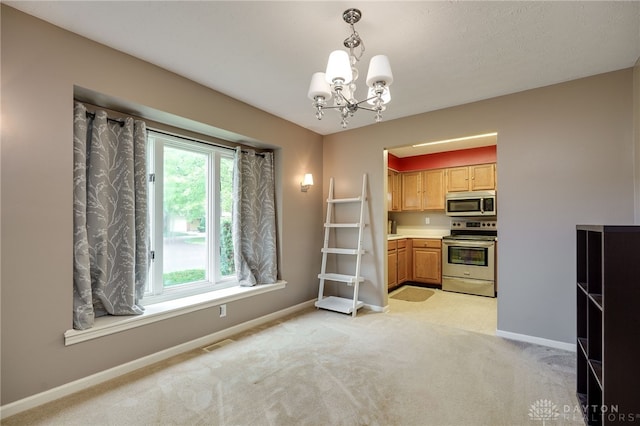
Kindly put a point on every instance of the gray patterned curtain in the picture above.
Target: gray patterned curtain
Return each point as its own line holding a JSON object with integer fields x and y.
{"x": 110, "y": 216}
{"x": 254, "y": 218}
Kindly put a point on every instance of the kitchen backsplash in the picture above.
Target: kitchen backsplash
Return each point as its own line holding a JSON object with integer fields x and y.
{"x": 423, "y": 231}
{"x": 413, "y": 223}
{"x": 417, "y": 219}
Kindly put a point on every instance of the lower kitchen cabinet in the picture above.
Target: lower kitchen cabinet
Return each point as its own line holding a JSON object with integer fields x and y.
{"x": 403, "y": 270}
{"x": 427, "y": 261}
{"x": 392, "y": 264}
{"x": 397, "y": 268}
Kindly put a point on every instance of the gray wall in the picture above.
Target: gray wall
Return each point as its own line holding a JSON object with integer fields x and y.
{"x": 569, "y": 145}
{"x": 565, "y": 156}
{"x": 40, "y": 66}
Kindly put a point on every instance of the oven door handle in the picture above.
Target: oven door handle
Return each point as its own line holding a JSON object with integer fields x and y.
{"x": 462, "y": 243}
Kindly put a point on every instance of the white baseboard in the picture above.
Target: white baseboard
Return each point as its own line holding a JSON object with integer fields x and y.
{"x": 536, "y": 340}
{"x": 97, "y": 378}
{"x": 376, "y": 308}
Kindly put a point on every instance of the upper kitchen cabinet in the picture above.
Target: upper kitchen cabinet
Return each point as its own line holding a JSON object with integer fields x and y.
{"x": 423, "y": 190}
{"x": 411, "y": 191}
{"x": 394, "y": 195}
{"x": 433, "y": 190}
{"x": 478, "y": 177}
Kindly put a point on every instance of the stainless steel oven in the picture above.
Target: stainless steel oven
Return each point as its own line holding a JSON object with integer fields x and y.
{"x": 468, "y": 257}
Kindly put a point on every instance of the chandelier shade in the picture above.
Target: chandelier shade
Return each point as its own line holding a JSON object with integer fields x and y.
{"x": 339, "y": 67}
{"x": 319, "y": 86}
{"x": 339, "y": 80}
{"x": 379, "y": 71}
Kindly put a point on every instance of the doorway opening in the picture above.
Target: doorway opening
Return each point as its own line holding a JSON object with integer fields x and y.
{"x": 419, "y": 177}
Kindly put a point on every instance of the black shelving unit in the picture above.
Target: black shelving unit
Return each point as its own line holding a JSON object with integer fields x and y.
{"x": 608, "y": 323}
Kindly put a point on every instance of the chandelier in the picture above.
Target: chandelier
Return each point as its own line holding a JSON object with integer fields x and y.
{"x": 339, "y": 80}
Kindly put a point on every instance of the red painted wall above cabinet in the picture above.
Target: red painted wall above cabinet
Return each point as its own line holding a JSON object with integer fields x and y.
{"x": 439, "y": 160}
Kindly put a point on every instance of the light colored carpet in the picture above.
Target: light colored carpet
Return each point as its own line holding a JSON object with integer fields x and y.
{"x": 325, "y": 368}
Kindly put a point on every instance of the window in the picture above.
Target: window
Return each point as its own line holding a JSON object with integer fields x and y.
{"x": 190, "y": 200}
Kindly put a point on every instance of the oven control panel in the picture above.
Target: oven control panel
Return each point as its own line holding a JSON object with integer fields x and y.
{"x": 474, "y": 224}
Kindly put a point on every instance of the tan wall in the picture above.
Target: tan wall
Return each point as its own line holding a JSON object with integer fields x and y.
{"x": 565, "y": 157}
{"x": 40, "y": 66}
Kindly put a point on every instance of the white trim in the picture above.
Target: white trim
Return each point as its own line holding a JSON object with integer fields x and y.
{"x": 101, "y": 377}
{"x": 536, "y": 340}
{"x": 107, "y": 325}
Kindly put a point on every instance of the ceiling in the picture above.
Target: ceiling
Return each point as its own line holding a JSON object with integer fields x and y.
{"x": 442, "y": 53}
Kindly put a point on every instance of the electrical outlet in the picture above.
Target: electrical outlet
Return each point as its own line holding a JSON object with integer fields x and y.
{"x": 427, "y": 220}
{"x": 223, "y": 311}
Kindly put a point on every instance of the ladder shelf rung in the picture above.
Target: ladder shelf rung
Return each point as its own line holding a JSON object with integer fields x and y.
{"x": 340, "y": 278}
{"x": 344, "y": 200}
{"x": 342, "y": 225}
{"x": 335, "y": 250}
{"x": 338, "y": 304}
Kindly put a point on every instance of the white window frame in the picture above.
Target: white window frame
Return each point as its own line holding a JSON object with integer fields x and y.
{"x": 156, "y": 292}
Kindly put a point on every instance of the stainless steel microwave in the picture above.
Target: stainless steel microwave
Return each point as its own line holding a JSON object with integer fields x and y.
{"x": 474, "y": 203}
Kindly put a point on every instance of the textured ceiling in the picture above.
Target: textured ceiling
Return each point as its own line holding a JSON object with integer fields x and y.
{"x": 442, "y": 53}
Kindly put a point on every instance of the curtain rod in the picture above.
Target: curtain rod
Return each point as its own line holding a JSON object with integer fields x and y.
{"x": 121, "y": 122}
{"x": 201, "y": 141}
{"x": 117, "y": 120}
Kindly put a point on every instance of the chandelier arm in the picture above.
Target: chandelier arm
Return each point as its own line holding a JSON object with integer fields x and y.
{"x": 368, "y": 109}
{"x": 365, "y": 100}
{"x": 339, "y": 93}
{"x": 334, "y": 107}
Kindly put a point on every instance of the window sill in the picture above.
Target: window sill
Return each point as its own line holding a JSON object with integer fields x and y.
{"x": 107, "y": 325}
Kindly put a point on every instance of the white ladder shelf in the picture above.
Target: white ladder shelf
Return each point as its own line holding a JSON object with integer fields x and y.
{"x": 334, "y": 303}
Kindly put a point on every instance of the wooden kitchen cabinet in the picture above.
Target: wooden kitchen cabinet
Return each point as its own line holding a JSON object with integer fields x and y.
{"x": 397, "y": 269}
{"x": 458, "y": 179}
{"x": 411, "y": 191}
{"x": 427, "y": 261}
{"x": 394, "y": 188}
{"x": 402, "y": 266}
{"x": 433, "y": 189}
{"x": 423, "y": 190}
{"x": 483, "y": 177}
{"x": 392, "y": 264}
{"x": 471, "y": 178}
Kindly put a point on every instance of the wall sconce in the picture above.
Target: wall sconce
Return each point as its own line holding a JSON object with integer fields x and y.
{"x": 307, "y": 181}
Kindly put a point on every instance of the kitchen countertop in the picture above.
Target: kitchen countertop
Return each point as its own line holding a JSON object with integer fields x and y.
{"x": 392, "y": 237}
{"x": 419, "y": 232}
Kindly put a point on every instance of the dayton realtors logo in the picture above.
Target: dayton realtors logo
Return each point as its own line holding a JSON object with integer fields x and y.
{"x": 543, "y": 410}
